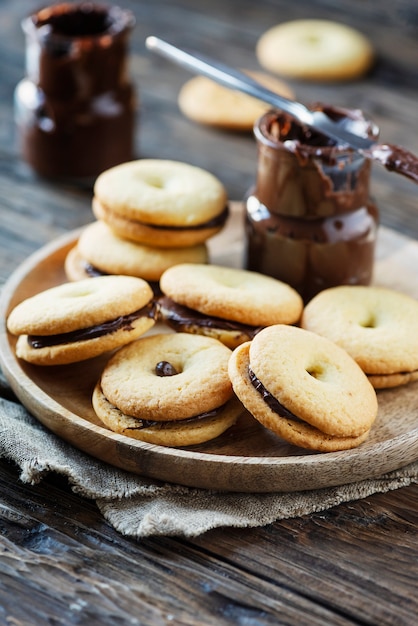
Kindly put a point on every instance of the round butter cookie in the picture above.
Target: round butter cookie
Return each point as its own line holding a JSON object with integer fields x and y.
{"x": 227, "y": 303}
{"x": 315, "y": 49}
{"x": 304, "y": 388}
{"x": 161, "y": 203}
{"x": 80, "y": 320}
{"x": 100, "y": 251}
{"x": 378, "y": 327}
{"x": 206, "y": 102}
{"x": 168, "y": 389}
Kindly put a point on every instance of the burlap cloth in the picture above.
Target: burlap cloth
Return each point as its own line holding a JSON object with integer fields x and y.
{"x": 139, "y": 507}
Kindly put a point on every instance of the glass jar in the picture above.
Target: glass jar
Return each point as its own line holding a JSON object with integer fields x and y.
{"x": 309, "y": 219}
{"x": 75, "y": 109}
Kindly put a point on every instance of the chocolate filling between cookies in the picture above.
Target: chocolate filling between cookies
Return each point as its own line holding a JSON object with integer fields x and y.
{"x": 123, "y": 322}
{"x": 164, "y": 424}
{"x": 270, "y": 400}
{"x": 179, "y": 316}
{"x": 93, "y": 272}
{"x": 216, "y": 222}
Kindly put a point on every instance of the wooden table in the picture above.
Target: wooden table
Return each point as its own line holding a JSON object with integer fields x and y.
{"x": 61, "y": 562}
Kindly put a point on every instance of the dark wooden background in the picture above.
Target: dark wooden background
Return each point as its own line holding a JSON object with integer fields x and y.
{"x": 60, "y": 561}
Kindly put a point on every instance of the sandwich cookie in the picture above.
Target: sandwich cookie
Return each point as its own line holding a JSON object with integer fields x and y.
{"x": 304, "y": 388}
{"x": 99, "y": 251}
{"x": 315, "y": 49}
{"x": 206, "y": 102}
{"x": 77, "y": 321}
{"x": 168, "y": 389}
{"x": 228, "y": 304}
{"x": 378, "y": 327}
{"x": 161, "y": 203}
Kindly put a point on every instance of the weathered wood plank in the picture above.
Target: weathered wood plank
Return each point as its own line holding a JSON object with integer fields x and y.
{"x": 330, "y": 566}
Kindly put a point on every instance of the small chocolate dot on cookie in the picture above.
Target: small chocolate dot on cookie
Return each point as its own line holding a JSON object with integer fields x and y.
{"x": 164, "y": 368}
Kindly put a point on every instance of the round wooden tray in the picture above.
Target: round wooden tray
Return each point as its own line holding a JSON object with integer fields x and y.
{"x": 247, "y": 458}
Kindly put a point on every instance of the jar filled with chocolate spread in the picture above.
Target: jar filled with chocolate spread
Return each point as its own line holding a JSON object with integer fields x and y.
{"x": 309, "y": 218}
{"x": 75, "y": 109}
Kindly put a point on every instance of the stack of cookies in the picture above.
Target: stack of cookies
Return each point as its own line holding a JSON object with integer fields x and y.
{"x": 151, "y": 214}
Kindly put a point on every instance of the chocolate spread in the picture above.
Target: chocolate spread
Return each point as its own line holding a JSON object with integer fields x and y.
{"x": 92, "y": 272}
{"x": 122, "y": 322}
{"x": 309, "y": 219}
{"x": 179, "y": 317}
{"x": 395, "y": 159}
{"x": 269, "y": 399}
{"x": 218, "y": 220}
{"x": 160, "y": 425}
{"x": 75, "y": 109}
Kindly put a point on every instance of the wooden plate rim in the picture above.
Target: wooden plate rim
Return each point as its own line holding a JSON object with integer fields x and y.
{"x": 22, "y": 384}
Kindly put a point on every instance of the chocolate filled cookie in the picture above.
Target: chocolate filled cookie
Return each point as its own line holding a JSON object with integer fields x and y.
{"x": 168, "y": 389}
{"x": 99, "y": 251}
{"x": 77, "y": 321}
{"x": 378, "y": 327}
{"x": 229, "y": 304}
{"x": 304, "y": 388}
{"x": 161, "y": 203}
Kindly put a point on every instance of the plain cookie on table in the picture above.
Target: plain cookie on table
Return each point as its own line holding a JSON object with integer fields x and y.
{"x": 206, "y": 102}
{"x": 304, "y": 388}
{"x": 315, "y": 49}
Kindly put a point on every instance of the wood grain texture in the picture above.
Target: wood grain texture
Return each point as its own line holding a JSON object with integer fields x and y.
{"x": 336, "y": 568}
{"x": 60, "y": 562}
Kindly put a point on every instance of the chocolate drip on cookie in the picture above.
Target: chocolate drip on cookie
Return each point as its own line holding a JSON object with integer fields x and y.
{"x": 84, "y": 334}
{"x": 269, "y": 399}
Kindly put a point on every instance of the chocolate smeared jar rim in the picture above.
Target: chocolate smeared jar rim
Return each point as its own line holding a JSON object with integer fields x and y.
{"x": 279, "y": 130}
{"x": 68, "y": 22}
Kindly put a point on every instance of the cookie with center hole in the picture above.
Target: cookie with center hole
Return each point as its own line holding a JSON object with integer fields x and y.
{"x": 80, "y": 320}
{"x": 99, "y": 251}
{"x": 316, "y": 50}
{"x": 229, "y": 304}
{"x": 304, "y": 388}
{"x": 168, "y": 389}
{"x": 160, "y": 202}
{"x": 376, "y": 325}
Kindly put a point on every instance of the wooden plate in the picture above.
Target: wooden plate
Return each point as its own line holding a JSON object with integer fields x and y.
{"x": 247, "y": 458}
